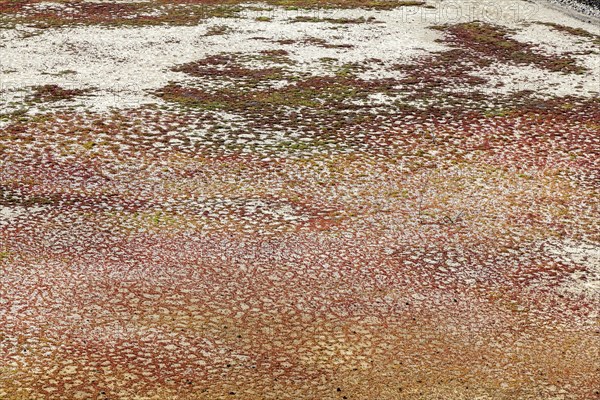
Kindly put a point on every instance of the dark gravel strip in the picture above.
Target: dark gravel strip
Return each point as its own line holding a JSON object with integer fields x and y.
{"x": 588, "y": 7}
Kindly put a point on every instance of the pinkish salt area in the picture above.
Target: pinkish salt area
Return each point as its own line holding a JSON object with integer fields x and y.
{"x": 299, "y": 199}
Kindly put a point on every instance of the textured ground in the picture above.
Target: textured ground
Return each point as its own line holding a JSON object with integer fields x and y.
{"x": 287, "y": 200}
{"x": 584, "y": 7}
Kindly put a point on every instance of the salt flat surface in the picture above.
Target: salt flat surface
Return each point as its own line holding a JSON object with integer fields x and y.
{"x": 122, "y": 65}
{"x": 584, "y": 254}
{"x": 361, "y": 204}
